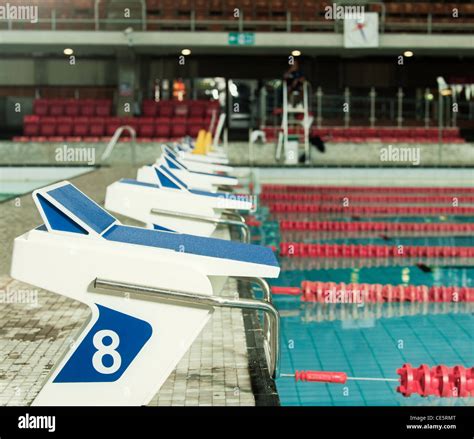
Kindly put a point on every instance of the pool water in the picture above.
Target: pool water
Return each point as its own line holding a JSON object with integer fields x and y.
{"x": 16, "y": 181}
{"x": 371, "y": 340}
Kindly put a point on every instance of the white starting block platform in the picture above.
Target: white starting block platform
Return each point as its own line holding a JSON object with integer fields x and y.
{"x": 204, "y": 180}
{"x": 175, "y": 160}
{"x": 171, "y": 205}
{"x": 186, "y": 152}
{"x": 150, "y": 293}
{"x": 193, "y": 180}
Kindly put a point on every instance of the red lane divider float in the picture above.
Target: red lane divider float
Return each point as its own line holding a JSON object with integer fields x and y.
{"x": 342, "y": 226}
{"x": 331, "y": 292}
{"x": 366, "y": 189}
{"x": 441, "y": 381}
{"x": 303, "y": 250}
{"x": 381, "y": 199}
{"x": 370, "y": 210}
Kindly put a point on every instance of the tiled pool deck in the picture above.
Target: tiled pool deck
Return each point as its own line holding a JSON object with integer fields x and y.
{"x": 215, "y": 371}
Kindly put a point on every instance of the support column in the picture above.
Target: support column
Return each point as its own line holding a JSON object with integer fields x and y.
{"x": 128, "y": 83}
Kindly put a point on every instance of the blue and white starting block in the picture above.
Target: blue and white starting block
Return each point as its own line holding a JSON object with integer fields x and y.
{"x": 169, "y": 203}
{"x": 150, "y": 292}
{"x": 207, "y": 181}
{"x": 216, "y": 156}
{"x": 177, "y": 160}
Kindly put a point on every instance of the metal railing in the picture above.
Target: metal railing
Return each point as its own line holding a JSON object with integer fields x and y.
{"x": 286, "y": 23}
{"x": 243, "y": 228}
{"x": 113, "y": 141}
{"x": 271, "y": 334}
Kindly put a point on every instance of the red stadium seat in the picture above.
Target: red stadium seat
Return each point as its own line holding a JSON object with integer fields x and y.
{"x": 178, "y": 127}
{"x": 196, "y": 109}
{"x": 48, "y": 126}
{"x": 41, "y": 107}
{"x": 162, "y": 127}
{"x": 80, "y": 126}
{"x": 103, "y": 108}
{"x": 146, "y": 127}
{"x": 149, "y": 108}
{"x": 97, "y": 127}
{"x": 64, "y": 126}
{"x": 112, "y": 124}
{"x": 165, "y": 109}
{"x": 181, "y": 110}
{"x": 87, "y": 107}
{"x": 31, "y": 125}
{"x": 72, "y": 108}
{"x": 56, "y": 107}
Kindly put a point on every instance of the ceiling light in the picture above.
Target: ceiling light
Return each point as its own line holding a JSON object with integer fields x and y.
{"x": 68, "y": 51}
{"x": 296, "y": 53}
{"x": 186, "y": 52}
{"x": 408, "y": 54}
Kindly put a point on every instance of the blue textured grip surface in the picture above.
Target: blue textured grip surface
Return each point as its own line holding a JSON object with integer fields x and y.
{"x": 83, "y": 207}
{"x": 59, "y": 220}
{"x": 168, "y": 172}
{"x": 197, "y": 245}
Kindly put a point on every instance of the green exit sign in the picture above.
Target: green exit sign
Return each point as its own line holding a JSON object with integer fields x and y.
{"x": 241, "y": 38}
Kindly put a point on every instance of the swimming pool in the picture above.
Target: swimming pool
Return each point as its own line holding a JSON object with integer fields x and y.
{"x": 372, "y": 339}
{"x": 20, "y": 180}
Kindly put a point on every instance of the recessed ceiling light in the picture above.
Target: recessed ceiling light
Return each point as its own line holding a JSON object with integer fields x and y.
{"x": 296, "y": 53}
{"x": 186, "y": 52}
{"x": 408, "y": 54}
{"x": 68, "y": 51}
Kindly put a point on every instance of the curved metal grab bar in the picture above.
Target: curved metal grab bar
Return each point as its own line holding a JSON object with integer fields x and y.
{"x": 244, "y": 228}
{"x": 113, "y": 141}
{"x": 273, "y": 340}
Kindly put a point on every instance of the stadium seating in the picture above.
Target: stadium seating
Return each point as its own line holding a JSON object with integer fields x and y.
{"x": 91, "y": 120}
{"x": 379, "y": 134}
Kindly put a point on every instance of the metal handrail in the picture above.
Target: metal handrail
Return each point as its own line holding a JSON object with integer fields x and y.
{"x": 272, "y": 348}
{"x": 113, "y": 141}
{"x": 243, "y": 227}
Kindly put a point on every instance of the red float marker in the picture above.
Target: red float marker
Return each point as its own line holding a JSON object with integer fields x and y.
{"x": 441, "y": 381}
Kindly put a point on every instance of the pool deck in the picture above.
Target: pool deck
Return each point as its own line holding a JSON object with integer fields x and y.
{"x": 214, "y": 372}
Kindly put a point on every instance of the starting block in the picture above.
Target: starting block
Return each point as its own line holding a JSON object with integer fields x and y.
{"x": 186, "y": 152}
{"x": 194, "y": 180}
{"x": 150, "y": 293}
{"x": 171, "y": 205}
{"x": 170, "y": 156}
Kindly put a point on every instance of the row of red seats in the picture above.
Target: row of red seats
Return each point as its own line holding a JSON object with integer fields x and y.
{"x": 366, "y": 189}
{"x": 89, "y": 139}
{"x": 342, "y": 226}
{"x": 304, "y": 250}
{"x": 162, "y": 127}
{"x": 365, "y": 199}
{"x": 331, "y": 292}
{"x": 371, "y": 210}
{"x": 191, "y": 108}
{"x": 387, "y": 135}
{"x": 72, "y": 107}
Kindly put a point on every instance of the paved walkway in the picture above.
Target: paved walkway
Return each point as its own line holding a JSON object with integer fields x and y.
{"x": 37, "y": 326}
